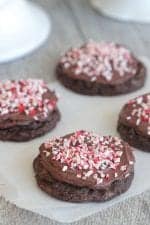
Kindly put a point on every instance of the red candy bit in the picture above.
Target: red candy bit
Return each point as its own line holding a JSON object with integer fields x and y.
{"x": 21, "y": 108}
{"x": 127, "y": 56}
{"x": 32, "y": 112}
{"x": 13, "y": 89}
{"x": 80, "y": 132}
{"x": 40, "y": 104}
{"x": 112, "y": 145}
{"x": 147, "y": 111}
{"x": 144, "y": 118}
{"x": 96, "y": 160}
{"x": 52, "y": 103}
{"x": 22, "y": 82}
{"x": 131, "y": 102}
{"x": 107, "y": 176}
{"x": 29, "y": 92}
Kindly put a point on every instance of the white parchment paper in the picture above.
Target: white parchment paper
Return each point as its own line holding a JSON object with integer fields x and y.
{"x": 99, "y": 114}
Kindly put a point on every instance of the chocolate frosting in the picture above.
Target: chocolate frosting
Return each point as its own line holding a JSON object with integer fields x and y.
{"x": 118, "y": 164}
{"x": 16, "y": 117}
{"x": 105, "y": 63}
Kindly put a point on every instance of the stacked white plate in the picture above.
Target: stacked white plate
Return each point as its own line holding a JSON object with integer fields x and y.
{"x": 129, "y": 10}
{"x": 23, "y": 27}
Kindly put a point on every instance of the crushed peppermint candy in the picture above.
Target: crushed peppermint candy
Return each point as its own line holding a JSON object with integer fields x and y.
{"x": 100, "y": 59}
{"x": 89, "y": 154}
{"x": 25, "y": 97}
{"x": 140, "y": 110}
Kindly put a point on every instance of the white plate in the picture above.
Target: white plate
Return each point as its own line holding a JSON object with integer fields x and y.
{"x": 99, "y": 114}
{"x": 127, "y": 10}
{"x": 24, "y": 26}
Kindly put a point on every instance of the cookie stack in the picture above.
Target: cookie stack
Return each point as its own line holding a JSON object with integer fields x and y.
{"x": 28, "y": 109}
{"x": 83, "y": 166}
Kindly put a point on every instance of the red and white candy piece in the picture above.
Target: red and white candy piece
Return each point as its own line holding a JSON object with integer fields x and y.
{"x": 25, "y": 97}
{"x": 87, "y": 153}
{"x": 100, "y": 59}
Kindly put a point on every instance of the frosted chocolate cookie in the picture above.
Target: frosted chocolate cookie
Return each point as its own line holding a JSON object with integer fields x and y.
{"x": 101, "y": 69}
{"x": 134, "y": 122}
{"x": 28, "y": 109}
{"x": 83, "y": 166}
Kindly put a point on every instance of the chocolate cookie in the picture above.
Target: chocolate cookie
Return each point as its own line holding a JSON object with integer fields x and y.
{"x": 134, "y": 122}
{"x": 28, "y": 109}
{"x": 101, "y": 69}
{"x": 85, "y": 167}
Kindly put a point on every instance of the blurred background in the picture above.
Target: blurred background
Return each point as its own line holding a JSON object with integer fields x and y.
{"x": 74, "y": 22}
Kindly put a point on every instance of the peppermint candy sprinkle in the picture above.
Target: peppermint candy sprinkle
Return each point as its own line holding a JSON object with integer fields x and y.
{"x": 141, "y": 111}
{"x": 89, "y": 154}
{"x": 100, "y": 59}
{"x": 25, "y": 97}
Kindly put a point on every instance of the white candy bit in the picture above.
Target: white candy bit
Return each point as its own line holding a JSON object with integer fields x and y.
{"x": 77, "y": 71}
{"x": 139, "y": 100}
{"x": 131, "y": 162}
{"x": 123, "y": 168}
{"x": 117, "y": 160}
{"x": 47, "y": 154}
{"x": 148, "y": 129}
{"x": 99, "y": 180}
{"x": 54, "y": 152}
{"x": 101, "y": 139}
{"x": 116, "y": 175}
{"x": 93, "y": 79}
{"x": 78, "y": 175}
{"x": 119, "y": 153}
{"x": 138, "y": 122}
{"x": 129, "y": 118}
{"x": 89, "y": 173}
{"x": 85, "y": 167}
{"x": 102, "y": 175}
{"x": 66, "y": 65}
{"x": 64, "y": 169}
{"x": 127, "y": 175}
{"x": 95, "y": 176}
{"x": 36, "y": 118}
